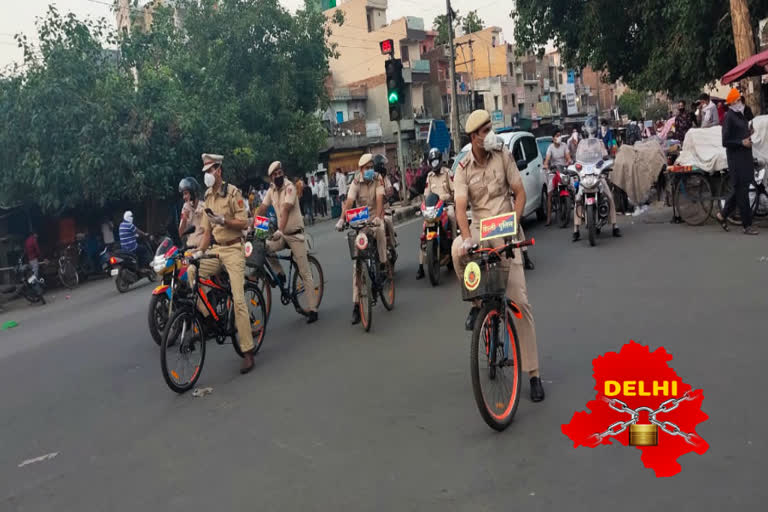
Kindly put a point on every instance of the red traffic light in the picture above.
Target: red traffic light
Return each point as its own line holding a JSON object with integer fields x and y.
{"x": 387, "y": 47}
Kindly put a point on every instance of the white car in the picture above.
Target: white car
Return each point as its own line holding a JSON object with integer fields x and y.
{"x": 525, "y": 151}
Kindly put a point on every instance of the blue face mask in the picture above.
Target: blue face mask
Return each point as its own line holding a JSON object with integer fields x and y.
{"x": 368, "y": 174}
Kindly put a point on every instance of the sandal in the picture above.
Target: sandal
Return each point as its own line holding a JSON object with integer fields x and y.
{"x": 722, "y": 221}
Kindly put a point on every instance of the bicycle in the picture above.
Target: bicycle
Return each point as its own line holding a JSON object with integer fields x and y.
{"x": 758, "y": 198}
{"x": 485, "y": 278}
{"x": 369, "y": 279}
{"x": 67, "y": 270}
{"x": 188, "y": 330}
{"x": 267, "y": 278}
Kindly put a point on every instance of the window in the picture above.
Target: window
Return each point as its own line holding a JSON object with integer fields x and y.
{"x": 356, "y": 115}
{"x": 511, "y": 69}
{"x": 369, "y": 16}
{"x": 517, "y": 150}
{"x": 531, "y": 149}
{"x": 404, "y": 54}
{"x": 495, "y": 103}
{"x": 560, "y": 78}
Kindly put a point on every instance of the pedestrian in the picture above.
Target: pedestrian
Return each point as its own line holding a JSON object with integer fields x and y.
{"x": 315, "y": 202}
{"x": 309, "y": 201}
{"x": 32, "y": 251}
{"x": 709, "y": 115}
{"x": 108, "y": 233}
{"x": 683, "y": 121}
{"x": 322, "y": 195}
{"x": 606, "y": 133}
{"x": 738, "y": 148}
{"x": 341, "y": 184}
{"x": 633, "y": 132}
{"x": 721, "y": 112}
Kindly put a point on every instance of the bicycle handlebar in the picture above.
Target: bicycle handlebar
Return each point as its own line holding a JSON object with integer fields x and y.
{"x": 504, "y": 248}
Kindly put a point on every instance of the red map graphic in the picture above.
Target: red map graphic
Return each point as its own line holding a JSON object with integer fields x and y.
{"x": 637, "y": 363}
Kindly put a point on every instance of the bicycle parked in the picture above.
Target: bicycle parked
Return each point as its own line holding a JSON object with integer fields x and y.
{"x": 185, "y": 337}
{"x": 495, "y": 362}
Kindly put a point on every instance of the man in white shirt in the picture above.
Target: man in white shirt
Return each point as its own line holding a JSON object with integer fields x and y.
{"x": 341, "y": 183}
{"x": 322, "y": 195}
{"x": 708, "y": 111}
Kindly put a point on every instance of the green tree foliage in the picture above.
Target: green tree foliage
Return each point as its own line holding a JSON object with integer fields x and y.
{"x": 632, "y": 104}
{"x": 244, "y": 78}
{"x": 656, "y": 45}
{"x": 472, "y": 23}
{"x": 440, "y": 24}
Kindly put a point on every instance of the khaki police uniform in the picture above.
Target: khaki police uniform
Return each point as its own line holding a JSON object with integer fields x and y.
{"x": 442, "y": 185}
{"x": 365, "y": 193}
{"x": 293, "y": 235}
{"x": 196, "y": 214}
{"x": 488, "y": 188}
{"x": 228, "y": 202}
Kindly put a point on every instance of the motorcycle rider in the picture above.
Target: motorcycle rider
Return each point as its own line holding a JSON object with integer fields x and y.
{"x": 192, "y": 212}
{"x": 224, "y": 221}
{"x": 367, "y": 189}
{"x": 438, "y": 182}
{"x": 380, "y": 166}
{"x": 591, "y": 127}
{"x": 485, "y": 180}
{"x": 559, "y": 156}
{"x": 128, "y": 244}
{"x": 290, "y": 231}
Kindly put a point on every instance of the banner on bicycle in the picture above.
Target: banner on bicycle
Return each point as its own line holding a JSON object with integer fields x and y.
{"x": 357, "y": 214}
{"x": 261, "y": 223}
{"x": 498, "y": 226}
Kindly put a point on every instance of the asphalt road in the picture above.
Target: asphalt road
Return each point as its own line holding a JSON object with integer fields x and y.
{"x": 336, "y": 419}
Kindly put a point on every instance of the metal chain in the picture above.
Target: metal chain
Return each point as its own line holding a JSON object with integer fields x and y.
{"x": 666, "y": 426}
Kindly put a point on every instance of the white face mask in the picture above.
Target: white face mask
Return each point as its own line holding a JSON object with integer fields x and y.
{"x": 738, "y": 107}
{"x": 491, "y": 142}
{"x": 435, "y": 163}
{"x": 209, "y": 179}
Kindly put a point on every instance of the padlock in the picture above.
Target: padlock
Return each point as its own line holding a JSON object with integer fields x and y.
{"x": 643, "y": 435}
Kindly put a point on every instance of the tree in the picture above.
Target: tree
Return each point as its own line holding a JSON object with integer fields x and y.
{"x": 440, "y": 24}
{"x": 632, "y": 104}
{"x": 472, "y": 23}
{"x": 674, "y": 47}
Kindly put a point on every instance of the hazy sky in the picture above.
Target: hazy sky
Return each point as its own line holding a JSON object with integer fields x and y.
{"x": 19, "y": 15}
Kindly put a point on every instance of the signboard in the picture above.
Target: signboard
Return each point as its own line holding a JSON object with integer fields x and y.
{"x": 498, "y": 226}
{"x": 261, "y": 223}
{"x": 422, "y": 131}
{"x": 357, "y": 215}
{"x": 497, "y": 119}
{"x": 570, "y": 93}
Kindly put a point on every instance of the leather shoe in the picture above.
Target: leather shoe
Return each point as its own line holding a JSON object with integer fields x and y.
{"x": 420, "y": 273}
{"x": 312, "y": 317}
{"x": 470, "y": 323}
{"x": 355, "y": 315}
{"x": 537, "y": 390}
{"x": 247, "y": 365}
{"x": 528, "y": 262}
{"x": 576, "y": 236}
{"x": 617, "y": 232}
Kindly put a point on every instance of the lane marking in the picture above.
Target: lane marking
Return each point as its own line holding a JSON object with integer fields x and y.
{"x": 41, "y": 458}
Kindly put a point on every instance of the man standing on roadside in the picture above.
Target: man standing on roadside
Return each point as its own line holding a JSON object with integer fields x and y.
{"x": 708, "y": 109}
{"x": 32, "y": 251}
{"x": 341, "y": 183}
{"x": 683, "y": 121}
{"x": 322, "y": 195}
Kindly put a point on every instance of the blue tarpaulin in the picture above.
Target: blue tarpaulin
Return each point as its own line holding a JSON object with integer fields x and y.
{"x": 439, "y": 137}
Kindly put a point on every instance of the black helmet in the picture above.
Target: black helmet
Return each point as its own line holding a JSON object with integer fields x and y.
{"x": 191, "y": 184}
{"x": 380, "y": 163}
{"x": 435, "y": 154}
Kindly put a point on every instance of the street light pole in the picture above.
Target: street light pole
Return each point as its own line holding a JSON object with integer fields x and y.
{"x": 452, "y": 76}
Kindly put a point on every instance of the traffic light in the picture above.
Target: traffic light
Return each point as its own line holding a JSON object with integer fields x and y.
{"x": 395, "y": 88}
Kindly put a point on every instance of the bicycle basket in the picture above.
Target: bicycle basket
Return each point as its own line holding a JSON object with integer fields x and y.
{"x": 258, "y": 253}
{"x": 359, "y": 249}
{"x": 483, "y": 280}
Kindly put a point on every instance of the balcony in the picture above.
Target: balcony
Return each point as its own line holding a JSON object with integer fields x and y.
{"x": 420, "y": 66}
{"x": 349, "y": 93}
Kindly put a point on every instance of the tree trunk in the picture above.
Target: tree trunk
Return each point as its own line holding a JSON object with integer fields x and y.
{"x": 744, "y": 41}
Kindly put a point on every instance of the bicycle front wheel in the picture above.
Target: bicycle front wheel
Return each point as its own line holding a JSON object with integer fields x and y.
{"x": 364, "y": 294}
{"x": 68, "y": 273}
{"x": 182, "y": 352}
{"x": 257, "y": 315}
{"x": 496, "y": 370}
{"x": 694, "y": 200}
{"x": 300, "y": 293}
{"x": 387, "y": 291}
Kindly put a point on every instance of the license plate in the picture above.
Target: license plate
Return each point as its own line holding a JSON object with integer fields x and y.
{"x": 114, "y": 272}
{"x": 590, "y": 200}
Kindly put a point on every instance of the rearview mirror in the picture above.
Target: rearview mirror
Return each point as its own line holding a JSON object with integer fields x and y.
{"x": 522, "y": 164}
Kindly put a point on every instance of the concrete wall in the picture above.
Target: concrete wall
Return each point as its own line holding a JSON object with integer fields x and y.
{"x": 488, "y": 60}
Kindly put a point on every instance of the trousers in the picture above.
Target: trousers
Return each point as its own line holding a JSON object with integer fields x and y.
{"x": 740, "y": 181}
{"x": 517, "y": 292}
{"x": 299, "y": 250}
{"x": 233, "y": 260}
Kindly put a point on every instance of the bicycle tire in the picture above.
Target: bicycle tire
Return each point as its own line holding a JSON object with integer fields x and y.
{"x": 68, "y": 275}
{"x": 259, "y": 278}
{"x": 364, "y": 295}
{"x": 317, "y": 275}
{"x": 433, "y": 262}
{"x": 694, "y": 200}
{"x": 171, "y": 343}
{"x": 157, "y": 316}
{"x": 387, "y": 291}
{"x": 508, "y": 405}
{"x": 257, "y": 316}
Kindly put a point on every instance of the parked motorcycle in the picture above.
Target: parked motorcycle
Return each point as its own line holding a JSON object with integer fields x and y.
{"x": 124, "y": 267}
{"x": 171, "y": 266}
{"x": 436, "y": 237}
{"x": 563, "y": 196}
{"x": 28, "y": 284}
{"x": 591, "y": 200}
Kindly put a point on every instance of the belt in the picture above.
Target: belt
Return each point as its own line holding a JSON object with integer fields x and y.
{"x": 230, "y": 242}
{"x": 297, "y": 232}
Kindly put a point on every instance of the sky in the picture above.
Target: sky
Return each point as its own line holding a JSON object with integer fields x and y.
{"x": 19, "y": 15}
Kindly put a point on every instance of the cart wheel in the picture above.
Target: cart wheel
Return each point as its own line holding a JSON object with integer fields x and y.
{"x": 693, "y": 197}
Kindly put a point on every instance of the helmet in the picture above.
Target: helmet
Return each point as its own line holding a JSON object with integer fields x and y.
{"x": 435, "y": 158}
{"x": 191, "y": 184}
{"x": 380, "y": 163}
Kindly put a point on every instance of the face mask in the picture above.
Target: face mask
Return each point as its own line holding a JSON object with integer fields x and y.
{"x": 279, "y": 181}
{"x": 491, "y": 142}
{"x": 435, "y": 163}
{"x": 209, "y": 180}
{"x": 368, "y": 174}
{"x": 738, "y": 107}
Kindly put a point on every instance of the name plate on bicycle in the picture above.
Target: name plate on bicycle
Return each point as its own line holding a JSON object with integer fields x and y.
{"x": 261, "y": 223}
{"x": 357, "y": 215}
{"x": 498, "y": 226}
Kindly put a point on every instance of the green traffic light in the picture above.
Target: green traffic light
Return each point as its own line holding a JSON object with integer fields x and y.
{"x": 393, "y": 97}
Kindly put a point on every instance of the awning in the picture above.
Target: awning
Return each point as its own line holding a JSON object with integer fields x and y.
{"x": 756, "y": 65}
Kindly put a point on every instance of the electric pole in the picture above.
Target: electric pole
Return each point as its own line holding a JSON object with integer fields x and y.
{"x": 472, "y": 71}
{"x": 744, "y": 42}
{"x": 452, "y": 75}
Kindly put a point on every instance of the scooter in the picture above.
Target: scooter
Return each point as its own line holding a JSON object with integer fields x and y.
{"x": 124, "y": 267}
{"x": 436, "y": 237}
{"x": 591, "y": 200}
{"x": 28, "y": 285}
